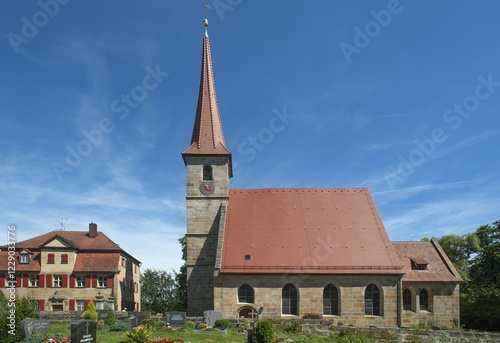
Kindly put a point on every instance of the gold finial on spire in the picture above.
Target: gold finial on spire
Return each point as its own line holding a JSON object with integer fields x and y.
{"x": 205, "y": 22}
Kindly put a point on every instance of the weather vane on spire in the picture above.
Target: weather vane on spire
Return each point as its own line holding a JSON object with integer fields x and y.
{"x": 207, "y": 7}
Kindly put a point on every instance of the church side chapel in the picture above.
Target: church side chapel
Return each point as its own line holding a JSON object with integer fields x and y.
{"x": 288, "y": 252}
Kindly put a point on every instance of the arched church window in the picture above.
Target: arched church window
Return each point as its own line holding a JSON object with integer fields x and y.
{"x": 245, "y": 294}
{"x": 372, "y": 300}
{"x": 331, "y": 300}
{"x": 289, "y": 300}
{"x": 207, "y": 173}
{"x": 424, "y": 300}
{"x": 407, "y": 299}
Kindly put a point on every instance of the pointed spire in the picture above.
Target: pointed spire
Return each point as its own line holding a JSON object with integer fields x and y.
{"x": 208, "y": 138}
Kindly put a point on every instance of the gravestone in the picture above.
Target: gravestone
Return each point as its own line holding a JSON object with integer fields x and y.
{"x": 41, "y": 326}
{"x": 251, "y": 334}
{"x": 175, "y": 318}
{"x": 131, "y": 323}
{"x": 211, "y": 316}
{"x": 30, "y": 326}
{"x": 102, "y": 315}
{"x": 26, "y": 327}
{"x": 83, "y": 331}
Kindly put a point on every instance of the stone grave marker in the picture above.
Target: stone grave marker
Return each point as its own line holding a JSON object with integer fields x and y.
{"x": 131, "y": 323}
{"x": 102, "y": 315}
{"x": 211, "y": 316}
{"x": 41, "y": 326}
{"x": 30, "y": 326}
{"x": 175, "y": 318}
{"x": 83, "y": 331}
{"x": 26, "y": 327}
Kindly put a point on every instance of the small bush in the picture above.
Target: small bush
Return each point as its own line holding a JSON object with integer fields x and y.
{"x": 149, "y": 323}
{"x": 264, "y": 331}
{"x": 311, "y": 316}
{"x": 120, "y": 326}
{"x": 222, "y": 322}
{"x": 189, "y": 326}
{"x": 111, "y": 317}
{"x": 91, "y": 313}
{"x": 139, "y": 335}
{"x": 293, "y": 327}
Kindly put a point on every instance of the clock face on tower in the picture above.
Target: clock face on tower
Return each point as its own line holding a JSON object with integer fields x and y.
{"x": 207, "y": 187}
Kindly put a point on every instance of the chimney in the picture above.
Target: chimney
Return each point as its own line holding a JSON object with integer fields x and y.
{"x": 92, "y": 230}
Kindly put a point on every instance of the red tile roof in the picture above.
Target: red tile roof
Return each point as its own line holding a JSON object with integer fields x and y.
{"x": 287, "y": 230}
{"x": 78, "y": 239}
{"x": 439, "y": 267}
{"x": 32, "y": 266}
{"x": 208, "y": 137}
{"x": 96, "y": 262}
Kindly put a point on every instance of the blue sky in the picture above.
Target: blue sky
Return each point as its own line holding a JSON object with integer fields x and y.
{"x": 98, "y": 98}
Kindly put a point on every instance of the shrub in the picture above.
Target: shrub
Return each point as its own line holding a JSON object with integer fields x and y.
{"x": 189, "y": 326}
{"x": 119, "y": 326}
{"x": 293, "y": 327}
{"x": 264, "y": 331}
{"x": 111, "y": 317}
{"x": 91, "y": 313}
{"x": 139, "y": 335}
{"x": 149, "y": 323}
{"x": 311, "y": 316}
{"x": 222, "y": 322}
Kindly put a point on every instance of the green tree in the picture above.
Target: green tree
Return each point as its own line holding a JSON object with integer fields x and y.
{"x": 24, "y": 308}
{"x": 181, "y": 280}
{"x": 158, "y": 290}
{"x": 91, "y": 312}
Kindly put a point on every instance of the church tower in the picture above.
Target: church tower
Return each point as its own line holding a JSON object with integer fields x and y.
{"x": 208, "y": 170}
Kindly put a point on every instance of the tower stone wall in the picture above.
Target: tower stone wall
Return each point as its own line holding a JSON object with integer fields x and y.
{"x": 203, "y": 228}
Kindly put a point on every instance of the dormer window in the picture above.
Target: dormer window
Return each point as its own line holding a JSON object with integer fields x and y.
{"x": 207, "y": 173}
{"x": 418, "y": 264}
{"x": 25, "y": 258}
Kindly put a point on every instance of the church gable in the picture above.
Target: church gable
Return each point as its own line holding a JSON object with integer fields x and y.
{"x": 306, "y": 231}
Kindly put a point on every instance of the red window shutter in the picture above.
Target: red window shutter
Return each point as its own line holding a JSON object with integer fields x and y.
{"x": 71, "y": 304}
{"x": 50, "y": 258}
{"x": 41, "y": 281}
{"x": 136, "y": 287}
{"x": 110, "y": 281}
{"x": 2, "y": 280}
{"x": 94, "y": 281}
{"x": 25, "y": 280}
{"x": 87, "y": 303}
{"x": 72, "y": 281}
{"x": 65, "y": 281}
{"x": 48, "y": 280}
{"x": 87, "y": 281}
{"x": 124, "y": 262}
{"x": 64, "y": 258}
{"x": 41, "y": 305}
{"x": 18, "y": 280}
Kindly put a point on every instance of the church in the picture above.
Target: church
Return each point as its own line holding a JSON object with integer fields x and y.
{"x": 289, "y": 252}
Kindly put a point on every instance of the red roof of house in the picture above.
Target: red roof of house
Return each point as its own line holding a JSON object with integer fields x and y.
{"x": 287, "y": 230}
{"x": 439, "y": 266}
{"x": 80, "y": 240}
{"x": 97, "y": 262}
{"x": 32, "y": 266}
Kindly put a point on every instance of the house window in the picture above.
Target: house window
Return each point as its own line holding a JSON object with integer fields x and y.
{"x": 331, "y": 300}
{"x": 80, "y": 305}
{"x": 421, "y": 267}
{"x": 64, "y": 258}
{"x": 80, "y": 281}
{"x": 424, "y": 300}
{"x": 102, "y": 281}
{"x": 25, "y": 258}
{"x": 407, "y": 299}
{"x": 245, "y": 294}
{"x": 207, "y": 173}
{"x": 372, "y": 300}
{"x": 50, "y": 258}
{"x": 34, "y": 280}
{"x": 289, "y": 300}
{"x": 57, "y": 281}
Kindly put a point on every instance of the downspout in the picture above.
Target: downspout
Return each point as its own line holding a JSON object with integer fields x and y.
{"x": 399, "y": 311}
